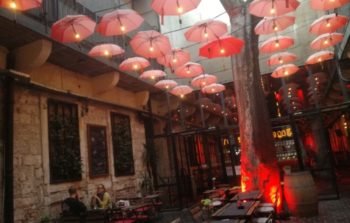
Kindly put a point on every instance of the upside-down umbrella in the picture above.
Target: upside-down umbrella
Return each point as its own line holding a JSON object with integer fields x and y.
{"x": 320, "y": 57}
{"x": 106, "y": 50}
{"x": 270, "y": 25}
{"x": 327, "y": 4}
{"x": 152, "y": 74}
{"x": 119, "y": 22}
{"x": 189, "y": 70}
{"x": 328, "y": 24}
{"x": 134, "y": 64}
{"x": 223, "y": 47}
{"x": 174, "y": 58}
{"x": 20, "y": 5}
{"x": 281, "y": 58}
{"x": 284, "y": 70}
{"x": 165, "y": 84}
{"x": 206, "y": 30}
{"x": 277, "y": 43}
{"x": 213, "y": 88}
{"x": 174, "y": 7}
{"x": 203, "y": 80}
{"x": 264, "y": 8}
{"x": 150, "y": 44}
{"x": 326, "y": 40}
{"x": 72, "y": 28}
{"x": 181, "y": 90}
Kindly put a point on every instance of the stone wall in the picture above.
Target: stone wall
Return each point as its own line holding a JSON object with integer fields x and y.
{"x": 34, "y": 196}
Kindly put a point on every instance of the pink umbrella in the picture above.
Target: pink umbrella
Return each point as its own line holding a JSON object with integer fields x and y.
{"x": 264, "y": 8}
{"x": 327, "y": 4}
{"x": 203, "y": 80}
{"x": 72, "y": 28}
{"x": 281, "y": 58}
{"x": 181, "y": 90}
{"x": 20, "y": 5}
{"x": 119, "y": 22}
{"x": 174, "y": 7}
{"x": 223, "y": 47}
{"x": 328, "y": 24}
{"x": 106, "y": 50}
{"x": 174, "y": 58}
{"x": 134, "y": 64}
{"x": 326, "y": 40}
{"x": 270, "y": 25}
{"x": 152, "y": 74}
{"x": 206, "y": 30}
{"x": 284, "y": 70}
{"x": 150, "y": 44}
{"x": 274, "y": 44}
{"x": 165, "y": 84}
{"x": 213, "y": 88}
{"x": 319, "y": 57}
{"x": 189, "y": 70}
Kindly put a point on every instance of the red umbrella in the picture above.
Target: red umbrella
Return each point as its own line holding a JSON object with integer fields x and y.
{"x": 150, "y": 44}
{"x": 119, "y": 22}
{"x": 203, "y": 80}
{"x": 189, "y": 70}
{"x": 181, "y": 90}
{"x": 213, "y": 88}
{"x": 106, "y": 50}
{"x": 326, "y": 40}
{"x": 281, "y": 58}
{"x": 174, "y": 58}
{"x": 134, "y": 64}
{"x": 320, "y": 56}
{"x": 284, "y": 70}
{"x": 270, "y": 25}
{"x": 264, "y": 8}
{"x": 222, "y": 47}
{"x": 206, "y": 30}
{"x": 328, "y": 24}
{"x": 165, "y": 84}
{"x": 274, "y": 44}
{"x": 174, "y": 7}
{"x": 21, "y": 5}
{"x": 152, "y": 74}
{"x": 72, "y": 28}
{"x": 327, "y": 4}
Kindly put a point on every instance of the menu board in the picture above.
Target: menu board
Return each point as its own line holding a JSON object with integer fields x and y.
{"x": 98, "y": 154}
{"x": 284, "y": 143}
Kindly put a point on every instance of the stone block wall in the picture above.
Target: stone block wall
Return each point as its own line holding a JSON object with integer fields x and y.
{"x": 34, "y": 196}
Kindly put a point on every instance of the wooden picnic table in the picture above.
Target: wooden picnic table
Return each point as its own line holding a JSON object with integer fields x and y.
{"x": 233, "y": 211}
{"x": 249, "y": 195}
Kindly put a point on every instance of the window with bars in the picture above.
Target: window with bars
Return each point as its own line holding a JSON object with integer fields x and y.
{"x": 64, "y": 142}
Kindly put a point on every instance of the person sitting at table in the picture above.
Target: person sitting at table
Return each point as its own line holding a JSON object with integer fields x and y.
{"x": 101, "y": 199}
{"x": 72, "y": 205}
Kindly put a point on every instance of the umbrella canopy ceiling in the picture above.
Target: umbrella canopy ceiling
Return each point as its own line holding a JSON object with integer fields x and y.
{"x": 328, "y": 24}
{"x": 150, "y": 44}
{"x": 262, "y": 8}
{"x": 174, "y": 58}
{"x": 119, "y": 22}
{"x": 223, "y": 47}
{"x": 189, "y": 70}
{"x": 206, "y": 30}
{"x": 327, "y": 4}
{"x": 270, "y": 25}
{"x": 275, "y": 44}
{"x": 326, "y": 40}
{"x": 213, "y": 88}
{"x": 134, "y": 64}
{"x": 165, "y": 84}
{"x": 285, "y": 70}
{"x": 152, "y": 74}
{"x": 203, "y": 80}
{"x": 181, "y": 90}
{"x": 281, "y": 58}
{"x": 174, "y": 7}
{"x": 20, "y": 5}
{"x": 72, "y": 28}
{"x": 320, "y": 57}
{"x": 106, "y": 50}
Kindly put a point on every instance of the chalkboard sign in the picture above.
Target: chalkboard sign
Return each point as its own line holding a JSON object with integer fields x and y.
{"x": 98, "y": 153}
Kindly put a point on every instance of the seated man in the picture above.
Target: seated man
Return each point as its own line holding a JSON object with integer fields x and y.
{"x": 72, "y": 204}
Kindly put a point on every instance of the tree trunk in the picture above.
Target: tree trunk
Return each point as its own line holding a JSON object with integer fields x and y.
{"x": 259, "y": 167}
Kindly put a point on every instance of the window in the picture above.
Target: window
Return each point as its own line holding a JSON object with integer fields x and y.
{"x": 122, "y": 145}
{"x": 64, "y": 142}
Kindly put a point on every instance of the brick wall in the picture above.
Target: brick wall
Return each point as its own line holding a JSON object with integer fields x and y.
{"x": 34, "y": 196}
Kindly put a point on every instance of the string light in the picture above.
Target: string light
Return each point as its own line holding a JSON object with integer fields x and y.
{"x": 328, "y": 24}
{"x": 325, "y": 42}
{"x": 272, "y": 11}
{"x": 182, "y": 96}
{"x": 275, "y": 28}
{"x": 277, "y": 43}
{"x": 174, "y": 60}
{"x": 77, "y": 36}
{"x": 106, "y": 52}
{"x": 222, "y": 51}
{"x": 206, "y": 34}
{"x": 122, "y": 28}
{"x": 166, "y": 86}
{"x": 319, "y": 59}
{"x": 151, "y": 49}
{"x": 286, "y": 72}
{"x": 135, "y": 66}
{"x": 13, "y": 5}
{"x": 280, "y": 60}
{"x": 152, "y": 77}
{"x": 180, "y": 10}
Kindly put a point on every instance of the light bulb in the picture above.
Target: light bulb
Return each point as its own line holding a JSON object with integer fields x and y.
{"x": 206, "y": 35}
{"x": 152, "y": 77}
{"x": 275, "y": 28}
{"x": 212, "y": 90}
{"x": 182, "y": 96}
{"x": 151, "y": 48}
{"x": 135, "y": 66}
{"x": 122, "y": 28}
{"x": 77, "y": 36}
{"x": 286, "y": 72}
{"x": 222, "y": 51}
{"x": 180, "y": 10}
{"x": 277, "y": 43}
{"x": 272, "y": 11}
{"x": 188, "y": 71}
{"x": 13, "y": 5}
{"x": 280, "y": 61}
{"x": 166, "y": 86}
{"x": 174, "y": 60}
{"x": 328, "y": 24}
{"x": 319, "y": 59}
{"x": 203, "y": 83}
{"x": 325, "y": 42}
